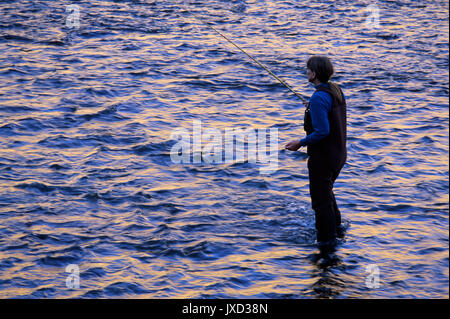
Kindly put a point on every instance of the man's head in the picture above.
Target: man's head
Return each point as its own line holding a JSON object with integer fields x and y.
{"x": 319, "y": 68}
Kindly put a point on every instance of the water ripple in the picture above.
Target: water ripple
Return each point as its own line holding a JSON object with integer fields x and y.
{"x": 86, "y": 175}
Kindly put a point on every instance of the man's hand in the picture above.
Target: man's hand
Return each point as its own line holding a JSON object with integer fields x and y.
{"x": 293, "y": 145}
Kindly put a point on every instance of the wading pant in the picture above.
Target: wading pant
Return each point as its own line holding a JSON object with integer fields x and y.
{"x": 321, "y": 180}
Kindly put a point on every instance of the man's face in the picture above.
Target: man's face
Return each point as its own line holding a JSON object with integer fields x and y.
{"x": 310, "y": 74}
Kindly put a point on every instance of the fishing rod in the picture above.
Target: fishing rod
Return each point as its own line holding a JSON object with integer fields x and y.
{"x": 256, "y": 61}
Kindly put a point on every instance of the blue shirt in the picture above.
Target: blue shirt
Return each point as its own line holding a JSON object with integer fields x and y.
{"x": 320, "y": 105}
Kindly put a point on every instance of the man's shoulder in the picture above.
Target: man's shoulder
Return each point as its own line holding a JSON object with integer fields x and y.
{"x": 325, "y": 92}
{"x": 321, "y": 97}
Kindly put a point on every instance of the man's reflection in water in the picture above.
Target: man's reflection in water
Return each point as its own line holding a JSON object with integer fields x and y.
{"x": 328, "y": 284}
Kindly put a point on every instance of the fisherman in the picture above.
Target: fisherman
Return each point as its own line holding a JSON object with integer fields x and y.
{"x": 325, "y": 125}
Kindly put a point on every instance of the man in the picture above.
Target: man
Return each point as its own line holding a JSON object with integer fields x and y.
{"x": 325, "y": 124}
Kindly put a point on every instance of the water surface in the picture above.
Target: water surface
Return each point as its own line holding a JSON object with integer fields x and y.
{"x": 86, "y": 176}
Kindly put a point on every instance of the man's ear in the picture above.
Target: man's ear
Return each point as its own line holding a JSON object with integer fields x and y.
{"x": 313, "y": 77}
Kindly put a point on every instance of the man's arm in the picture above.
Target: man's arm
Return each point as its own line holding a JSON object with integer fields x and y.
{"x": 319, "y": 106}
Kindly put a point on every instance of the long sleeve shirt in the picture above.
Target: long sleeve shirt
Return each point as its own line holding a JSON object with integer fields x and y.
{"x": 320, "y": 104}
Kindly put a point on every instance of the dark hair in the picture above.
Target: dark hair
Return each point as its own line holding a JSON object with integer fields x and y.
{"x": 323, "y": 68}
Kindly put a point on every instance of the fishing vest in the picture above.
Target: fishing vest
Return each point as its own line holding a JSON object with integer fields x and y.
{"x": 331, "y": 149}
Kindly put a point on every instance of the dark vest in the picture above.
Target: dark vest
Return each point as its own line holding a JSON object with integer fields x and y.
{"x": 333, "y": 148}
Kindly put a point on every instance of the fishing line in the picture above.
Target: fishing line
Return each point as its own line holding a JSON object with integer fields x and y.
{"x": 256, "y": 61}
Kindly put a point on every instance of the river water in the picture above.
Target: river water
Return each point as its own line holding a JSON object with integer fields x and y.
{"x": 86, "y": 178}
